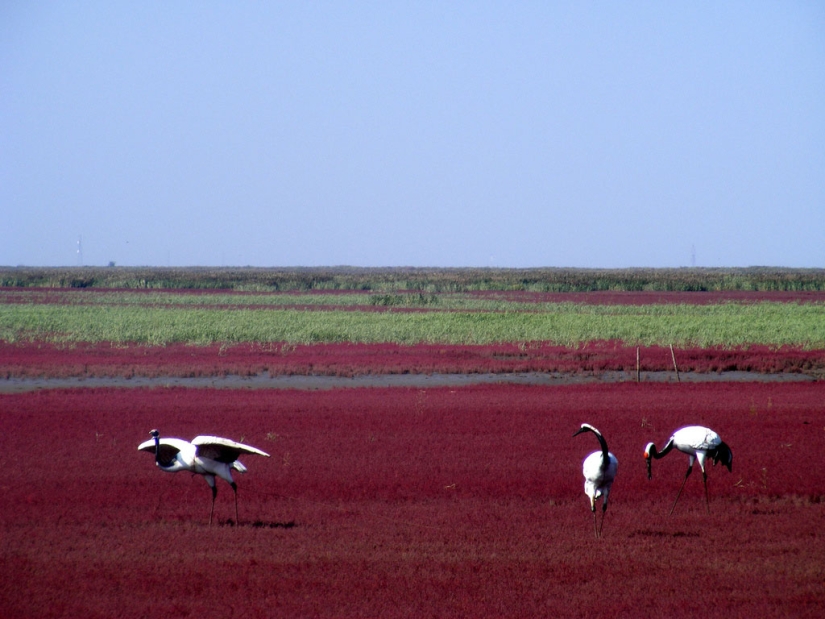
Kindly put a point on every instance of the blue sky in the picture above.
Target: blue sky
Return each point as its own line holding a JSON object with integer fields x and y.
{"x": 511, "y": 134}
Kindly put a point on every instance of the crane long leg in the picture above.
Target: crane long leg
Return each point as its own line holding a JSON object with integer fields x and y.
{"x": 707, "y": 500}
{"x": 604, "y": 513}
{"x": 687, "y": 474}
{"x": 212, "y": 511}
{"x": 235, "y": 489}
{"x": 595, "y": 527}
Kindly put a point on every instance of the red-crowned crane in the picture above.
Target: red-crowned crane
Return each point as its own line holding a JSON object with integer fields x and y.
{"x": 699, "y": 443}
{"x": 210, "y": 456}
{"x": 599, "y": 469}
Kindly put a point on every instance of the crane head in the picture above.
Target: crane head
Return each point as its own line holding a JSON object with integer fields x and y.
{"x": 649, "y": 460}
{"x": 155, "y": 433}
{"x": 586, "y": 427}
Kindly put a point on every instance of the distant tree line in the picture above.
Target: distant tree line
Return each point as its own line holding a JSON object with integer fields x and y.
{"x": 425, "y": 280}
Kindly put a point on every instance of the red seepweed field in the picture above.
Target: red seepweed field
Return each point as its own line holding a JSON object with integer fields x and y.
{"x": 408, "y": 501}
{"x": 413, "y": 502}
{"x": 83, "y": 360}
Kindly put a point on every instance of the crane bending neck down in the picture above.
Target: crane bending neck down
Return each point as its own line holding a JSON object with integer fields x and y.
{"x": 720, "y": 452}
{"x": 651, "y": 452}
{"x": 698, "y": 443}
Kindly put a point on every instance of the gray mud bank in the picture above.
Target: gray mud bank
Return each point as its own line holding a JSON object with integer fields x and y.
{"x": 18, "y": 385}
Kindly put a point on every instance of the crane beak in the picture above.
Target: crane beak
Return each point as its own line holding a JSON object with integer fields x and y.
{"x": 649, "y": 468}
{"x": 579, "y": 431}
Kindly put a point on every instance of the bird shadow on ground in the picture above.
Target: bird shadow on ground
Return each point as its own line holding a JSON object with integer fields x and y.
{"x": 650, "y": 533}
{"x": 259, "y": 524}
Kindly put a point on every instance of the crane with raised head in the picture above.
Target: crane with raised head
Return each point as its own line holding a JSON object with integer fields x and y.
{"x": 209, "y": 456}
{"x": 599, "y": 470}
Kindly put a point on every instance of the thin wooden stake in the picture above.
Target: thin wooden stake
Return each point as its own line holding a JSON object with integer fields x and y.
{"x": 673, "y": 356}
{"x": 638, "y": 377}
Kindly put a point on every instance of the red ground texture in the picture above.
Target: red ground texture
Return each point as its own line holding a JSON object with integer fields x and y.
{"x": 31, "y": 360}
{"x": 404, "y": 502}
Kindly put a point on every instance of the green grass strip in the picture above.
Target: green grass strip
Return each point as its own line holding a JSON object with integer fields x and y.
{"x": 727, "y": 324}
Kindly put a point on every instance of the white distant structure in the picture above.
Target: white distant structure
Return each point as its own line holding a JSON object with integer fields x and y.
{"x": 80, "y": 250}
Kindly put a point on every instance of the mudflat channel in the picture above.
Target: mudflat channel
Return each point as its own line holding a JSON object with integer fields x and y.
{"x": 314, "y": 382}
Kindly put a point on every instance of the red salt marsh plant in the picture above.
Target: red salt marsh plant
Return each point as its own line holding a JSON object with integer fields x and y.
{"x": 410, "y": 502}
{"x": 124, "y": 360}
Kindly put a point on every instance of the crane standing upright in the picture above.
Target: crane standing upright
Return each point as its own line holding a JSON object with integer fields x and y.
{"x": 599, "y": 469}
{"x": 210, "y": 456}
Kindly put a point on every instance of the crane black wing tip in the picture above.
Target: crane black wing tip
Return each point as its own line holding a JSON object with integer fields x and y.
{"x": 724, "y": 455}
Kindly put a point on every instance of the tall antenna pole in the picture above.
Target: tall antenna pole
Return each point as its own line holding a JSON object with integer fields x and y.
{"x": 80, "y": 250}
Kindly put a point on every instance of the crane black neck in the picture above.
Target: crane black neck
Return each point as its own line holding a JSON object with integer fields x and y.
{"x": 654, "y": 453}
{"x": 155, "y": 435}
{"x": 602, "y": 442}
{"x": 605, "y": 452}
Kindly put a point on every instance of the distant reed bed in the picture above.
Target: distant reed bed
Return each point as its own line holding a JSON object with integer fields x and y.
{"x": 726, "y": 324}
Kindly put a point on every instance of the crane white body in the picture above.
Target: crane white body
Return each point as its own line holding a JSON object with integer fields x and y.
{"x": 209, "y": 456}
{"x": 599, "y": 470}
{"x": 698, "y": 443}
{"x": 598, "y": 480}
